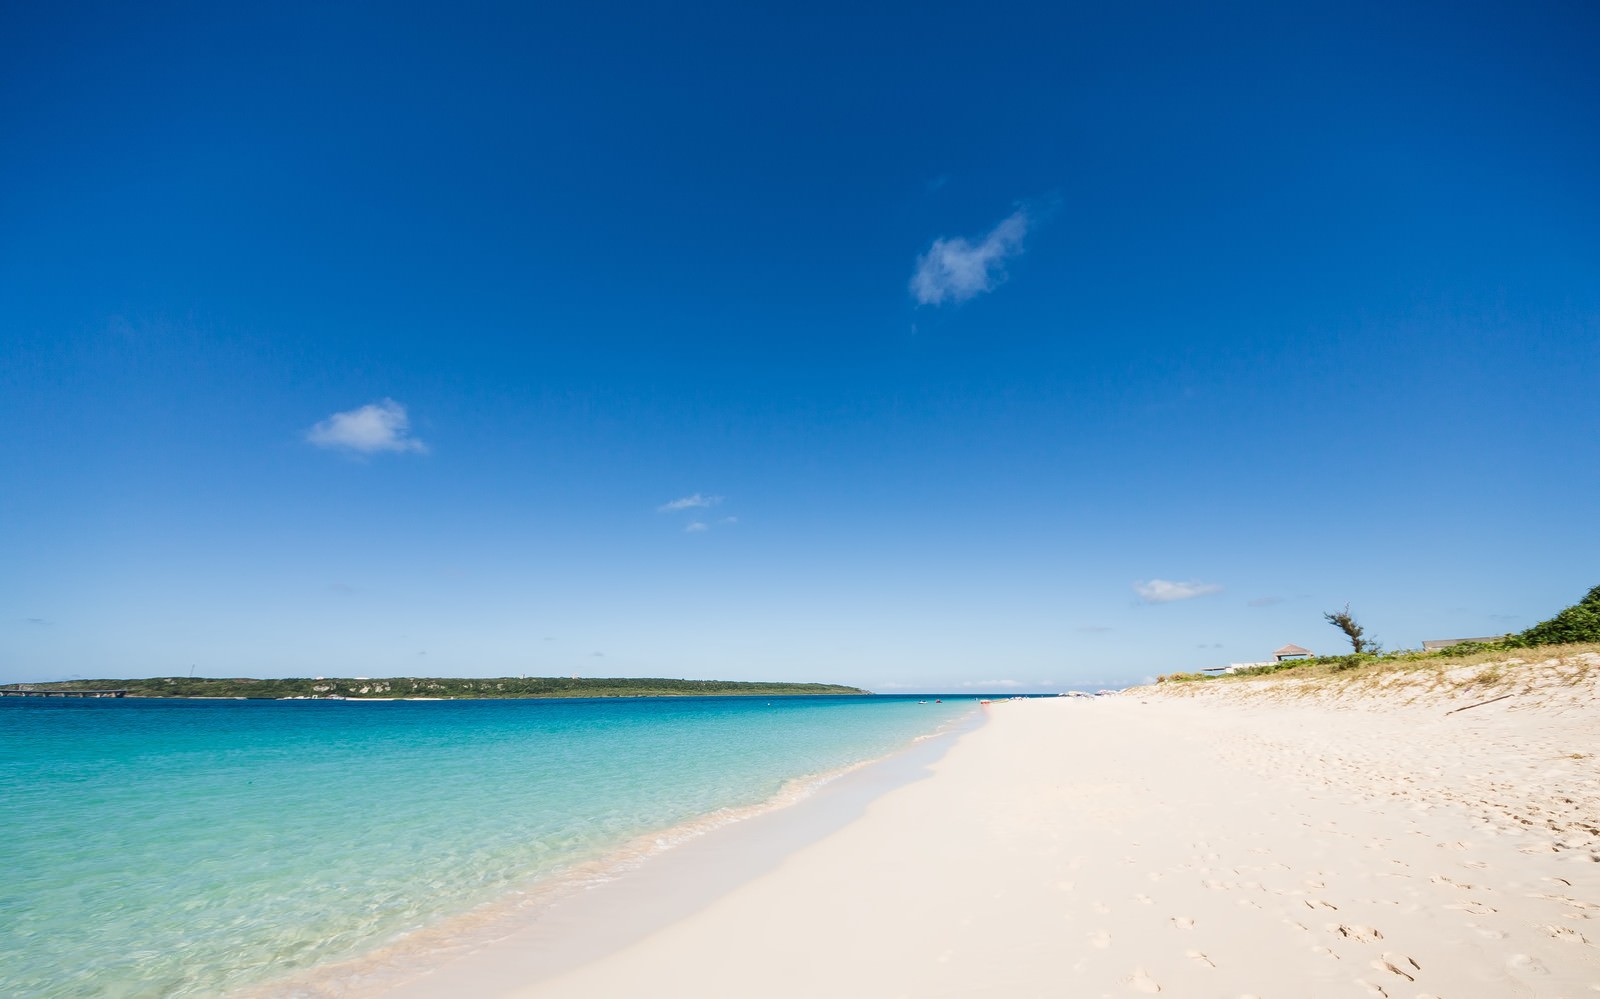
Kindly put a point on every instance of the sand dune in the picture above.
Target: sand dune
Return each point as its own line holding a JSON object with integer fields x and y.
{"x": 1229, "y": 841}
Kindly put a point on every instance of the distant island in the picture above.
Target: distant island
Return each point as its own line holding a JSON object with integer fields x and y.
{"x": 445, "y": 687}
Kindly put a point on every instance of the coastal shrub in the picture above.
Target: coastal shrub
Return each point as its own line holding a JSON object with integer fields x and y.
{"x": 1578, "y": 623}
{"x": 1354, "y": 661}
{"x": 1264, "y": 668}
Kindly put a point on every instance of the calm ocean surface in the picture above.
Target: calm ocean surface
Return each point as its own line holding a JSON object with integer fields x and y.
{"x": 186, "y": 848}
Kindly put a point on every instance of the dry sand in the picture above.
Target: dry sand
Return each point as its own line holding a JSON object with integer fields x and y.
{"x": 1227, "y": 840}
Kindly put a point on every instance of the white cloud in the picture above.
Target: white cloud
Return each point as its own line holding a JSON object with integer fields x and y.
{"x": 1163, "y": 591}
{"x": 955, "y": 269}
{"x": 379, "y": 426}
{"x": 698, "y": 527}
{"x": 690, "y": 503}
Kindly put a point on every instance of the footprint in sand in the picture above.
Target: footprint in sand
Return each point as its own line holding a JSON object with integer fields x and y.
{"x": 1566, "y": 933}
{"x": 1472, "y": 908}
{"x": 1199, "y": 958}
{"x": 1317, "y": 903}
{"x": 1567, "y": 899}
{"x": 1325, "y": 952}
{"x": 1372, "y": 990}
{"x": 1393, "y": 965}
{"x": 1365, "y": 934}
{"x": 1526, "y": 963}
{"x": 1100, "y": 940}
{"x": 1139, "y": 981}
{"x": 1144, "y": 899}
{"x": 1183, "y": 922}
{"x": 1101, "y": 908}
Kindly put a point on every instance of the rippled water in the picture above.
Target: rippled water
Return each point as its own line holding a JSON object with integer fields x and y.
{"x": 179, "y": 848}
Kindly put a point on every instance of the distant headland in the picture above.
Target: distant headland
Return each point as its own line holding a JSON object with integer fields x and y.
{"x": 427, "y": 688}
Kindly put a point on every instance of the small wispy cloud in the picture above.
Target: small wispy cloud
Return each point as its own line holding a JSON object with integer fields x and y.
{"x": 1094, "y": 629}
{"x": 37, "y": 620}
{"x": 1265, "y": 601}
{"x": 956, "y": 269}
{"x": 1165, "y": 591}
{"x": 696, "y": 527}
{"x": 376, "y": 427}
{"x": 694, "y": 502}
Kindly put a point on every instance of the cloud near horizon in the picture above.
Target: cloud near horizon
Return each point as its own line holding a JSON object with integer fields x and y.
{"x": 378, "y": 426}
{"x": 956, "y": 269}
{"x": 1165, "y": 591}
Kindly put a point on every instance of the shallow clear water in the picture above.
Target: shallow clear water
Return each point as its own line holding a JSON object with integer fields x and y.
{"x": 177, "y": 848}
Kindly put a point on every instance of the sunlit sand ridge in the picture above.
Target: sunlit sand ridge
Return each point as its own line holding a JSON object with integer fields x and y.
{"x": 1227, "y": 840}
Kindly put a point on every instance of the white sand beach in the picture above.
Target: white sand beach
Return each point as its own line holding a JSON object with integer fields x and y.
{"x": 1263, "y": 839}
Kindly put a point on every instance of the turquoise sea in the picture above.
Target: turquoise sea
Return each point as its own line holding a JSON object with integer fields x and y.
{"x": 190, "y": 848}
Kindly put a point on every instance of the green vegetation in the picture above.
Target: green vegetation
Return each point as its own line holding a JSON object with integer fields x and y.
{"x": 442, "y": 687}
{"x": 1346, "y": 622}
{"x": 1577, "y": 625}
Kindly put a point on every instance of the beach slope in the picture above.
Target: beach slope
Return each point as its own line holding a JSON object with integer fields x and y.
{"x": 1231, "y": 841}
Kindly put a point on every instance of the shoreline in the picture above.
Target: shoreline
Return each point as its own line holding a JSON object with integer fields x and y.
{"x": 1155, "y": 842}
{"x": 542, "y": 929}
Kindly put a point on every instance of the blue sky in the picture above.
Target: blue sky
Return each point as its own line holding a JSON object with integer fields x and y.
{"x": 943, "y": 347}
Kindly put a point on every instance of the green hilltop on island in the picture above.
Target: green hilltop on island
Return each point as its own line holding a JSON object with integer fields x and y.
{"x": 451, "y": 688}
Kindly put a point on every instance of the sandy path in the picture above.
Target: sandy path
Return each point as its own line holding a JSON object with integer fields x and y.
{"x": 1189, "y": 846}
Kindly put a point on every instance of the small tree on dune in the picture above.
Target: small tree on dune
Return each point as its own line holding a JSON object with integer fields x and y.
{"x": 1346, "y": 622}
